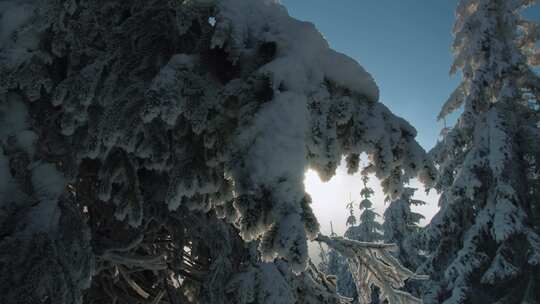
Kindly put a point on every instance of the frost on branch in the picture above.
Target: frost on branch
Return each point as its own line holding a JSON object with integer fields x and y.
{"x": 373, "y": 264}
{"x": 272, "y": 283}
{"x": 368, "y": 229}
{"x": 317, "y": 114}
{"x": 483, "y": 242}
{"x": 146, "y": 112}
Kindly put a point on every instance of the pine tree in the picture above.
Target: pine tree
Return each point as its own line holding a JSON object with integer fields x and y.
{"x": 351, "y": 219}
{"x": 484, "y": 241}
{"x": 368, "y": 229}
{"x": 401, "y": 227}
{"x": 148, "y": 154}
{"x": 335, "y": 266}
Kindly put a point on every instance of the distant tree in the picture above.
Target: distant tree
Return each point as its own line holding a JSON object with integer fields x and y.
{"x": 484, "y": 242}
{"x": 351, "y": 219}
{"x": 401, "y": 227}
{"x": 368, "y": 229}
{"x": 335, "y": 265}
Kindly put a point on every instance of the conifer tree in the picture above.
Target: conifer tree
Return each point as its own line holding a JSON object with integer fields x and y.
{"x": 351, "y": 219}
{"x": 368, "y": 229}
{"x": 484, "y": 241}
{"x": 154, "y": 151}
{"x": 401, "y": 227}
{"x": 335, "y": 265}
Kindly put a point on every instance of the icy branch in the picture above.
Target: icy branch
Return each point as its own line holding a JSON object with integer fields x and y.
{"x": 373, "y": 264}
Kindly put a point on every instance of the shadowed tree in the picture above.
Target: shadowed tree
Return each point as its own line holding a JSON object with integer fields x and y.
{"x": 154, "y": 151}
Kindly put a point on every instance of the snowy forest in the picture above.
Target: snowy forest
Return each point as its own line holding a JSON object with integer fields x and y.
{"x": 155, "y": 151}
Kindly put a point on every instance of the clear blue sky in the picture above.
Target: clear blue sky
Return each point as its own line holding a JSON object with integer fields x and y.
{"x": 404, "y": 44}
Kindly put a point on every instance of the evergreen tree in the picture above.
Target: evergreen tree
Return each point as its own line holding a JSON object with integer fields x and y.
{"x": 378, "y": 275}
{"x": 351, "y": 219}
{"x": 154, "y": 151}
{"x": 368, "y": 229}
{"x": 335, "y": 265}
{"x": 358, "y": 265}
{"x": 484, "y": 241}
{"x": 401, "y": 227}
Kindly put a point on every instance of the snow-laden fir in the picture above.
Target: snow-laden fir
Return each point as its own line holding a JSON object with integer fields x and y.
{"x": 484, "y": 243}
{"x": 154, "y": 151}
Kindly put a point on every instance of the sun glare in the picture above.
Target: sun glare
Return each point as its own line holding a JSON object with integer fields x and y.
{"x": 330, "y": 198}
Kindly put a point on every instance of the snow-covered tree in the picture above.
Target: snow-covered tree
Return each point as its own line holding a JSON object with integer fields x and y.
{"x": 155, "y": 150}
{"x": 401, "y": 227}
{"x": 484, "y": 241}
{"x": 351, "y": 219}
{"x": 368, "y": 229}
{"x": 374, "y": 268}
{"x": 335, "y": 265}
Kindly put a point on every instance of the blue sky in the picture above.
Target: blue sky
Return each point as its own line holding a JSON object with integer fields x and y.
{"x": 404, "y": 44}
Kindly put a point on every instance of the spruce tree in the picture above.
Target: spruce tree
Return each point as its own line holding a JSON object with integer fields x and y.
{"x": 401, "y": 227}
{"x": 484, "y": 241}
{"x": 368, "y": 229}
{"x": 154, "y": 151}
{"x": 335, "y": 265}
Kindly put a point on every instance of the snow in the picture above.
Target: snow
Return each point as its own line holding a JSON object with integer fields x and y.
{"x": 278, "y": 137}
{"x": 453, "y": 103}
{"x": 483, "y": 217}
{"x": 13, "y": 116}
{"x": 167, "y": 80}
{"x": 507, "y": 219}
{"x": 261, "y": 284}
{"x": 48, "y": 184}
{"x": 374, "y": 264}
{"x": 26, "y": 140}
{"x": 273, "y": 145}
{"x": 299, "y": 43}
{"x": 13, "y": 14}
{"x": 210, "y": 140}
{"x": 14, "y": 123}
{"x": 16, "y": 40}
{"x": 500, "y": 146}
{"x": 500, "y": 270}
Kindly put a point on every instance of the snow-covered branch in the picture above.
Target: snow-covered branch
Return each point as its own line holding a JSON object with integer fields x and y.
{"x": 373, "y": 264}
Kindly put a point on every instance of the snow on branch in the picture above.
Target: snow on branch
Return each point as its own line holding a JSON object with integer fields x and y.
{"x": 373, "y": 264}
{"x": 222, "y": 117}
